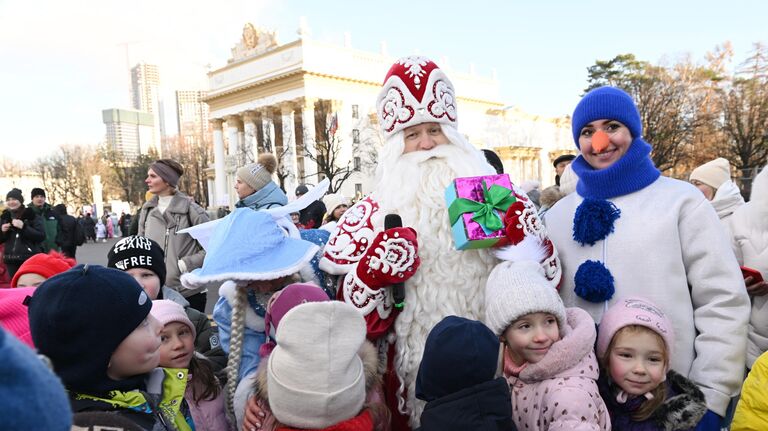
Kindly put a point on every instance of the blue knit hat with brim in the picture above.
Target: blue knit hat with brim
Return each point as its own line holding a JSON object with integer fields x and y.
{"x": 248, "y": 245}
{"x": 31, "y": 396}
{"x": 608, "y": 103}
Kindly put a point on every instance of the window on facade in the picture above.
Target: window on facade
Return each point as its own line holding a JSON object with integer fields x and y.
{"x": 358, "y": 189}
{"x": 355, "y": 136}
{"x": 357, "y": 163}
{"x": 355, "y": 111}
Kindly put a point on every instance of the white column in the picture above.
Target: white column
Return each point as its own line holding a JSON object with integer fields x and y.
{"x": 289, "y": 161}
{"x": 268, "y": 127}
{"x": 218, "y": 164}
{"x": 250, "y": 147}
{"x": 233, "y": 123}
{"x": 309, "y": 135}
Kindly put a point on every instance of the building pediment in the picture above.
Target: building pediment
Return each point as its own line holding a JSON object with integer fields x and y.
{"x": 254, "y": 41}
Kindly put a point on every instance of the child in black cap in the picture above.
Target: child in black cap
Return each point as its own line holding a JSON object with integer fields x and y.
{"x": 94, "y": 325}
{"x": 144, "y": 260}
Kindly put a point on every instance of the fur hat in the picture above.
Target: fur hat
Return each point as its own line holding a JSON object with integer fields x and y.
{"x": 515, "y": 289}
{"x": 415, "y": 91}
{"x": 138, "y": 252}
{"x": 258, "y": 174}
{"x": 568, "y": 180}
{"x": 609, "y": 103}
{"x": 713, "y": 173}
{"x": 45, "y": 265}
{"x": 15, "y": 194}
{"x": 37, "y": 191}
{"x": 315, "y": 375}
{"x": 235, "y": 253}
{"x": 333, "y": 200}
{"x": 78, "y": 319}
{"x": 633, "y": 311}
{"x": 32, "y": 396}
{"x": 167, "y": 311}
{"x": 13, "y": 313}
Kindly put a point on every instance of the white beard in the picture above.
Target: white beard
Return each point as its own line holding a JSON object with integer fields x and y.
{"x": 448, "y": 282}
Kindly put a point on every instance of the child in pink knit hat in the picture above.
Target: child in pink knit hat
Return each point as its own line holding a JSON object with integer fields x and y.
{"x": 203, "y": 393}
{"x": 634, "y": 345}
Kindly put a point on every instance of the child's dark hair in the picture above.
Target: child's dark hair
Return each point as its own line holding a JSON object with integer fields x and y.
{"x": 659, "y": 392}
{"x": 205, "y": 385}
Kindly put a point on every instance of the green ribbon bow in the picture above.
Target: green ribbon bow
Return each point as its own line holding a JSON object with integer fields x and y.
{"x": 496, "y": 198}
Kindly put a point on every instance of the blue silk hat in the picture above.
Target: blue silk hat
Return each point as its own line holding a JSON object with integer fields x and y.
{"x": 249, "y": 245}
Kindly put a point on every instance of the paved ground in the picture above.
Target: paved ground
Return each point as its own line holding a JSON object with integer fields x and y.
{"x": 96, "y": 254}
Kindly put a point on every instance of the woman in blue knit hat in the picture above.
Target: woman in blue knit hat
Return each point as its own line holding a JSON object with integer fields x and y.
{"x": 630, "y": 231}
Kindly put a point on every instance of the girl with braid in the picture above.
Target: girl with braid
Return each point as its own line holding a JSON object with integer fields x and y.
{"x": 251, "y": 268}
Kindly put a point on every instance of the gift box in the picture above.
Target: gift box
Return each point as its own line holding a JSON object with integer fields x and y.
{"x": 476, "y": 207}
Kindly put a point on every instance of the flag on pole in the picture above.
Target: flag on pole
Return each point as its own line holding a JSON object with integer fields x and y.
{"x": 333, "y": 125}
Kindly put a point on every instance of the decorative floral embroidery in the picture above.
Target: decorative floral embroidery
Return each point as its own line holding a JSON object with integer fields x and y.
{"x": 353, "y": 234}
{"x": 393, "y": 110}
{"x": 444, "y": 103}
{"x": 415, "y": 67}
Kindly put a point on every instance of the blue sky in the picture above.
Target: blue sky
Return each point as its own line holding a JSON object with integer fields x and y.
{"x": 63, "y": 62}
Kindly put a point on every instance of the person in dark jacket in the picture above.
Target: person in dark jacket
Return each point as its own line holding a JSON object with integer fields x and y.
{"x": 68, "y": 238}
{"x": 89, "y": 225}
{"x": 50, "y": 220}
{"x": 143, "y": 259}
{"x": 460, "y": 379}
{"x": 21, "y": 230}
{"x": 311, "y": 216}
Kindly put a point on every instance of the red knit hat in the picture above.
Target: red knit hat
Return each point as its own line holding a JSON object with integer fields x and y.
{"x": 46, "y": 265}
{"x": 13, "y": 313}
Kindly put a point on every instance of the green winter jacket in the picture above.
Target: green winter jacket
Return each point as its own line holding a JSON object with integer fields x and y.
{"x": 166, "y": 410}
{"x": 51, "y": 225}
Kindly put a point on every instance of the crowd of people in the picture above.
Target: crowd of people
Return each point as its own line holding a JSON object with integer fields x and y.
{"x": 621, "y": 299}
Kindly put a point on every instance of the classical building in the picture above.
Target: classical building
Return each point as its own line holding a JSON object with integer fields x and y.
{"x": 311, "y": 102}
{"x": 129, "y": 132}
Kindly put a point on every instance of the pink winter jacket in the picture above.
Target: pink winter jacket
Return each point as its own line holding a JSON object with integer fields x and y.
{"x": 208, "y": 415}
{"x": 560, "y": 391}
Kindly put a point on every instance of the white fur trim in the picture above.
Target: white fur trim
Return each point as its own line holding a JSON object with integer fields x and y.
{"x": 530, "y": 248}
{"x": 192, "y": 280}
{"x": 253, "y": 321}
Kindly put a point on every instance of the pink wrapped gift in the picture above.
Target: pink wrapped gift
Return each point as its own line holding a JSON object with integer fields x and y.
{"x": 476, "y": 207}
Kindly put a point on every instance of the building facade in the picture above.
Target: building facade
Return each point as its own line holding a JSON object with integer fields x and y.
{"x": 192, "y": 116}
{"x": 145, "y": 95}
{"x": 309, "y": 101}
{"x": 129, "y": 132}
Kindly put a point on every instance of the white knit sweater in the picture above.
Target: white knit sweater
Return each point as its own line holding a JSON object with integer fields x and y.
{"x": 669, "y": 247}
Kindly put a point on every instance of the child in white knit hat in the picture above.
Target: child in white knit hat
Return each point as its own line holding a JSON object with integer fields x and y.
{"x": 549, "y": 360}
{"x": 316, "y": 377}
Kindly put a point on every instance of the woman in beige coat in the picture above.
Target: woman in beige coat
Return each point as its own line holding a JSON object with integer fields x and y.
{"x": 160, "y": 219}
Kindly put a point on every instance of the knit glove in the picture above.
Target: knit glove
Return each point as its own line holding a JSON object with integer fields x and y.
{"x": 391, "y": 258}
{"x": 710, "y": 422}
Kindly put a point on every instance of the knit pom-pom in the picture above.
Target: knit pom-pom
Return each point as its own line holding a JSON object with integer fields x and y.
{"x": 269, "y": 162}
{"x": 594, "y": 220}
{"x": 594, "y": 282}
{"x": 266, "y": 349}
